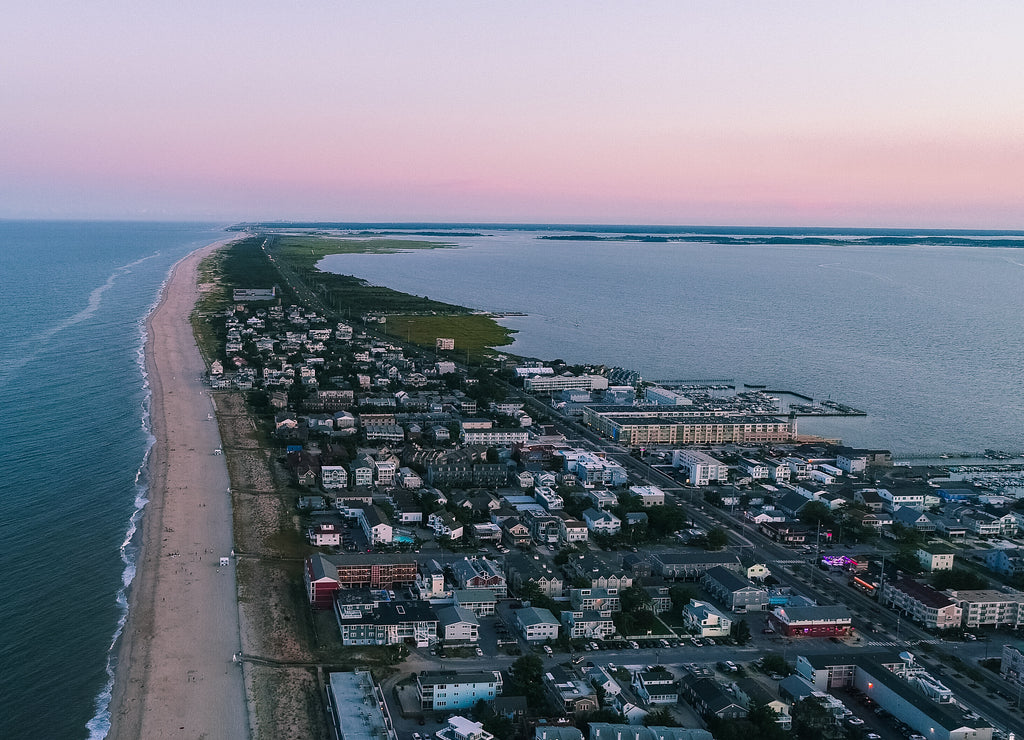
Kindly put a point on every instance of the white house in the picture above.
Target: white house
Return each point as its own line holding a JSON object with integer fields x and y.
{"x": 537, "y": 625}
{"x": 333, "y": 476}
{"x": 602, "y": 522}
{"x": 913, "y": 498}
{"x": 324, "y": 535}
{"x": 706, "y": 619}
{"x": 374, "y": 524}
{"x": 445, "y": 525}
{"x": 408, "y": 478}
{"x": 458, "y": 624}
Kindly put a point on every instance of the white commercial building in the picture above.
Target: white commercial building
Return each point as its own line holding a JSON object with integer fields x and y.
{"x": 701, "y": 468}
{"x": 649, "y": 495}
{"x": 549, "y": 384}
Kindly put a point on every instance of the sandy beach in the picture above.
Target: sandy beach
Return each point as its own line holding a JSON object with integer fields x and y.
{"x": 176, "y": 675}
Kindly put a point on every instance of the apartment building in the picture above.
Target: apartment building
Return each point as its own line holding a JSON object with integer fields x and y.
{"x": 921, "y": 603}
{"x": 987, "y": 607}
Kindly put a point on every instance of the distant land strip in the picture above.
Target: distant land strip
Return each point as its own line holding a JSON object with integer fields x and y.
{"x": 873, "y": 241}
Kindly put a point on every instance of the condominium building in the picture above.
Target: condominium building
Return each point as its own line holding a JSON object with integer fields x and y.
{"x": 390, "y": 623}
{"x": 636, "y": 431}
{"x": 921, "y": 603}
{"x": 495, "y": 437}
{"x": 446, "y": 690}
{"x": 987, "y": 607}
{"x": 550, "y": 384}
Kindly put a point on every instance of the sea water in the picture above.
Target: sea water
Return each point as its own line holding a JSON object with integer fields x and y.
{"x": 73, "y": 301}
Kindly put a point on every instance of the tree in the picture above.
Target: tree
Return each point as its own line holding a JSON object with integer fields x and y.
{"x": 812, "y": 721}
{"x": 634, "y": 598}
{"x": 660, "y": 717}
{"x": 959, "y": 579}
{"x": 741, "y": 631}
{"x": 527, "y": 678}
{"x": 907, "y": 536}
{"x": 492, "y": 722}
{"x": 716, "y": 538}
{"x": 665, "y": 520}
{"x": 681, "y": 596}
{"x": 763, "y": 718}
{"x": 815, "y": 512}
{"x": 774, "y": 663}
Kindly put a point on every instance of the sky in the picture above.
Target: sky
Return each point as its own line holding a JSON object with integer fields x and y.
{"x": 903, "y": 114}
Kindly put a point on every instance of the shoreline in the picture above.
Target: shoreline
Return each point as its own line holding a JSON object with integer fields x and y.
{"x": 175, "y": 675}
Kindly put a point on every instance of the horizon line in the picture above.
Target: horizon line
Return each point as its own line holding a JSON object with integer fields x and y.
{"x": 533, "y": 225}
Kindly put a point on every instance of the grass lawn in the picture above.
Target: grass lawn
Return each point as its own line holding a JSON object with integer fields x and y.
{"x": 306, "y": 251}
{"x": 473, "y": 333}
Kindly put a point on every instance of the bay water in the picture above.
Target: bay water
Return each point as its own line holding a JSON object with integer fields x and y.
{"x": 927, "y": 338}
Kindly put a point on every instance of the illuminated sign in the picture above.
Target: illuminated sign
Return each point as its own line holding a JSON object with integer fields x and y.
{"x": 838, "y": 561}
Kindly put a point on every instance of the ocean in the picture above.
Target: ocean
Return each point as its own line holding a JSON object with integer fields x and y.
{"x": 74, "y": 297}
{"x": 922, "y": 330}
{"x": 925, "y": 336}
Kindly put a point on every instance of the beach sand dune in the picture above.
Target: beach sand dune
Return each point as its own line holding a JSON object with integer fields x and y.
{"x": 177, "y": 675}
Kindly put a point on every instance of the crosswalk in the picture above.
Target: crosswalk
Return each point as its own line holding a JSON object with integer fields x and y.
{"x": 901, "y": 643}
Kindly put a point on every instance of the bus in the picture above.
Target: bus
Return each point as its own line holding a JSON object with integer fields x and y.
{"x": 871, "y": 589}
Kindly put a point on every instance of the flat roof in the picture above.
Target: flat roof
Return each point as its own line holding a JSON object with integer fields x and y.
{"x": 433, "y": 678}
{"x": 942, "y": 714}
{"x": 354, "y": 696}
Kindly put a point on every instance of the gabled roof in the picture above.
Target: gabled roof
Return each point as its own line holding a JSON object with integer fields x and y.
{"x": 456, "y": 614}
{"x": 729, "y": 580}
{"x": 530, "y": 616}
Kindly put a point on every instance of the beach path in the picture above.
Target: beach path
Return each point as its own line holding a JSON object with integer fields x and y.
{"x": 177, "y": 676}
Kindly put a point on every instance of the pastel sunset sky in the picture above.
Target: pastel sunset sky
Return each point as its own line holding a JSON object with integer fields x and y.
{"x": 748, "y": 113}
